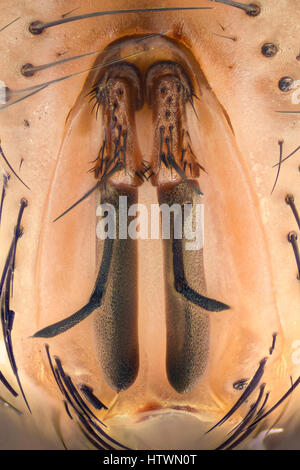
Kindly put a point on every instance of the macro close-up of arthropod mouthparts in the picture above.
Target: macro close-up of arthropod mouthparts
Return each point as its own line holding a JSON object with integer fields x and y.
{"x": 149, "y": 225}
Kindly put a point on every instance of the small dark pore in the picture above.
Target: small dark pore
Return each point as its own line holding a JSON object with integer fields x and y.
{"x": 240, "y": 384}
{"x": 269, "y": 49}
{"x": 285, "y": 84}
{"x": 254, "y": 9}
{"x": 27, "y": 70}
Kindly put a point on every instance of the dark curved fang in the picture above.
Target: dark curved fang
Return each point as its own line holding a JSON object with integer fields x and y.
{"x": 94, "y": 302}
{"x": 182, "y": 287}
